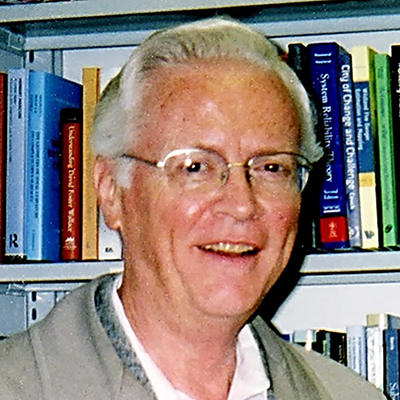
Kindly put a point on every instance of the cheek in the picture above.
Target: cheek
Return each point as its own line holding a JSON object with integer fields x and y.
{"x": 281, "y": 219}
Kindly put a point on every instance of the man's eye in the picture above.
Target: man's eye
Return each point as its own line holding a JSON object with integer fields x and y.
{"x": 195, "y": 167}
{"x": 273, "y": 167}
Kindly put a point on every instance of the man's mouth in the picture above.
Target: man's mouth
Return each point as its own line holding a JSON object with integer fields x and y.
{"x": 230, "y": 249}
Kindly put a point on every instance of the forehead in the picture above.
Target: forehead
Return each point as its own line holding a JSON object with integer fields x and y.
{"x": 212, "y": 100}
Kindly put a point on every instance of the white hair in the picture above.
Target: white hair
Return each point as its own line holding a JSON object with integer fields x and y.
{"x": 117, "y": 118}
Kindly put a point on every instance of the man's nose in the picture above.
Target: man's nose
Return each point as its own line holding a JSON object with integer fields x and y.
{"x": 236, "y": 195}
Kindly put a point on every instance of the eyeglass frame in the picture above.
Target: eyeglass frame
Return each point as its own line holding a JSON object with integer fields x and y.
{"x": 307, "y": 165}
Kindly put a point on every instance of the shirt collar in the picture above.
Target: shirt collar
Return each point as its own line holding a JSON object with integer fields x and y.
{"x": 250, "y": 380}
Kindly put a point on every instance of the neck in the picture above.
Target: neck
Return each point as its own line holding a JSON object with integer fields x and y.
{"x": 198, "y": 356}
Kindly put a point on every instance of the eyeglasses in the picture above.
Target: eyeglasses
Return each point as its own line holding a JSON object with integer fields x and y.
{"x": 204, "y": 171}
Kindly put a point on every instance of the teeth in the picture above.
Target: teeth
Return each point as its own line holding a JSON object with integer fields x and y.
{"x": 229, "y": 248}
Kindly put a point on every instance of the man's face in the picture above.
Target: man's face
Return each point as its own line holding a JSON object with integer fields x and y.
{"x": 177, "y": 246}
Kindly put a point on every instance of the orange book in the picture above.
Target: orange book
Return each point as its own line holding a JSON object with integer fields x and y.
{"x": 91, "y": 94}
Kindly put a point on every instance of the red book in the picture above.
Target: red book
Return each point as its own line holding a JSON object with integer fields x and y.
{"x": 71, "y": 156}
{"x": 3, "y": 133}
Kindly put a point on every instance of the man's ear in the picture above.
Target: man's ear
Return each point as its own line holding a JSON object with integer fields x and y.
{"x": 108, "y": 191}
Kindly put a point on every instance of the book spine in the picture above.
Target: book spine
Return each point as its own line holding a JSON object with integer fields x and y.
{"x": 395, "y": 93}
{"x": 392, "y": 360}
{"x": 375, "y": 357}
{"x": 35, "y": 169}
{"x": 110, "y": 244}
{"x": 364, "y": 91}
{"x": 16, "y": 163}
{"x": 357, "y": 349}
{"x": 387, "y": 178}
{"x": 324, "y": 73}
{"x": 3, "y": 137}
{"x": 350, "y": 161}
{"x": 71, "y": 147}
{"x": 91, "y": 94}
{"x": 336, "y": 346}
{"x": 298, "y": 60}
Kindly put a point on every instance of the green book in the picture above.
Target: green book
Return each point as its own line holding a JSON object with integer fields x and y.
{"x": 388, "y": 209}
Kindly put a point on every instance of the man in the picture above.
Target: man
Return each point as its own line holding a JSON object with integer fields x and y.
{"x": 204, "y": 142}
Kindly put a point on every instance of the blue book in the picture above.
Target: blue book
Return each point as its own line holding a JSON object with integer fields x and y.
{"x": 324, "y": 72}
{"x": 48, "y": 95}
{"x": 16, "y": 163}
{"x": 350, "y": 159}
{"x": 392, "y": 364}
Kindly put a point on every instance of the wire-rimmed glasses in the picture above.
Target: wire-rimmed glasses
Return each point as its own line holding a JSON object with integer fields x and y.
{"x": 204, "y": 171}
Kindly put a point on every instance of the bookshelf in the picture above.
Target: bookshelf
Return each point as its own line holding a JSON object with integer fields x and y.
{"x": 52, "y": 36}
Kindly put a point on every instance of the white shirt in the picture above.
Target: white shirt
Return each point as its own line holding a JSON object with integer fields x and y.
{"x": 249, "y": 382}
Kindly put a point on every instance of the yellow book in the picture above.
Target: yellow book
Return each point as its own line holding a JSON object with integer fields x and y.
{"x": 91, "y": 94}
{"x": 365, "y": 103}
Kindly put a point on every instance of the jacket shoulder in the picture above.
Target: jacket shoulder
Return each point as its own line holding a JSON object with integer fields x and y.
{"x": 69, "y": 345}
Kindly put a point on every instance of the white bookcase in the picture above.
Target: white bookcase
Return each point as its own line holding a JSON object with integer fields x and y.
{"x": 62, "y": 37}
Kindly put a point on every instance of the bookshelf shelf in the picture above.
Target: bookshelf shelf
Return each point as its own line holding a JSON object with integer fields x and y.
{"x": 60, "y": 272}
{"x": 352, "y": 262}
{"x": 79, "y": 24}
{"x": 85, "y": 8}
{"x": 317, "y": 268}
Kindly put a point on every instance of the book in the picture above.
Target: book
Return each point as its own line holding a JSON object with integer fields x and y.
{"x": 392, "y": 363}
{"x": 15, "y": 249}
{"x": 298, "y": 60}
{"x": 376, "y": 324}
{"x": 48, "y": 95}
{"x": 365, "y": 104}
{"x": 110, "y": 244}
{"x": 395, "y": 93}
{"x": 388, "y": 227}
{"x": 3, "y": 137}
{"x": 357, "y": 349}
{"x": 331, "y": 344}
{"x": 350, "y": 158}
{"x": 71, "y": 177}
{"x": 324, "y": 70}
{"x": 91, "y": 94}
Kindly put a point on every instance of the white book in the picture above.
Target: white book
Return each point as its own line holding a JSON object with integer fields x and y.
{"x": 357, "y": 349}
{"x": 110, "y": 244}
{"x": 16, "y": 162}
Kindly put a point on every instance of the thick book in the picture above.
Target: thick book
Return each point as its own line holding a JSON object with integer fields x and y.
{"x": 395, "y": 92}
{"x": 324, "y": 70}
{"x": 350, "y": 159}
{"x": 71, "y": 177}
{"x": 388, "y": 227}
{"x": 91, "y": 94}
{"x": 365, "y": 107}
{"x": 3, "y": 137}
{"x": 48, "y": 95}
{"x": 298, "y": 60}
{"x": 376, "y": 325}
{"x": 392, "y": 363}
{"x": 357, "y": 349}
{"x": 17, "y": 134}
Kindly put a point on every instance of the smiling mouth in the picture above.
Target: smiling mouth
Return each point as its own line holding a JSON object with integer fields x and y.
{"x": 230, "y": 249}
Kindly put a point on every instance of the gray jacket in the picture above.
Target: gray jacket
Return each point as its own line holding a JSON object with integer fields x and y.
{"x": 69, "y": 355}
